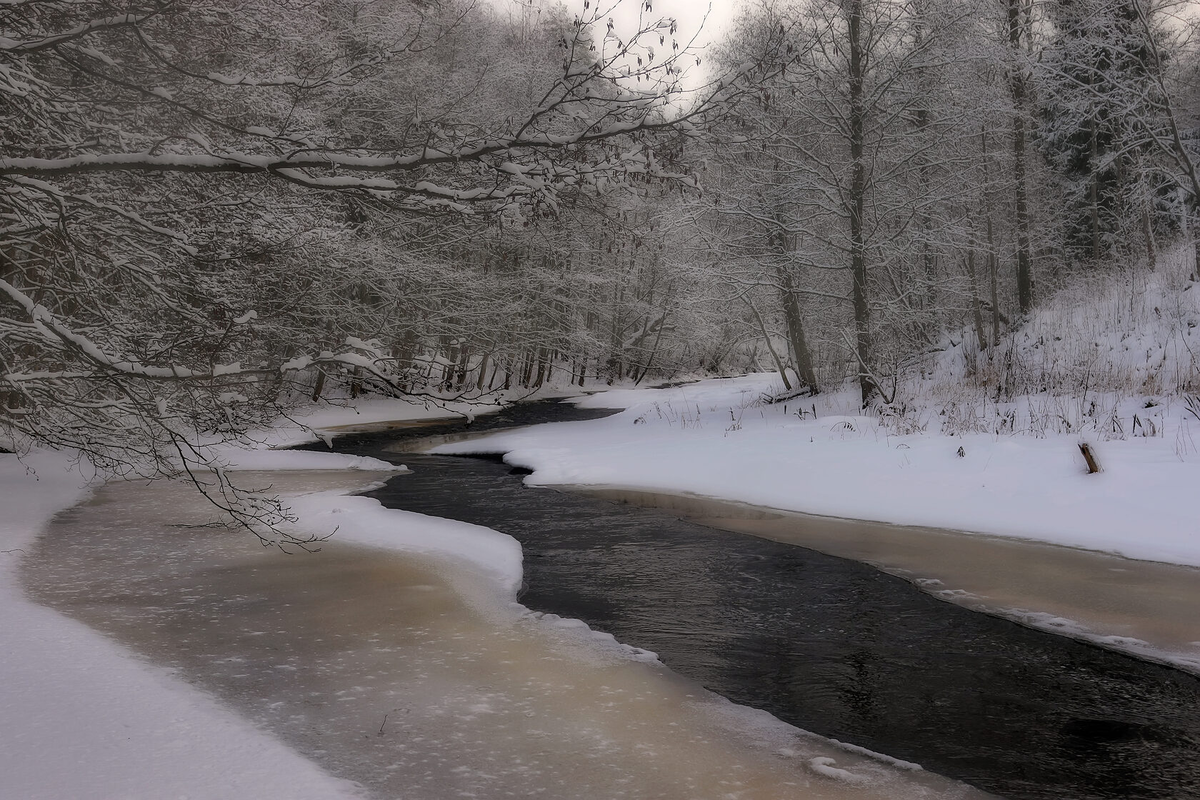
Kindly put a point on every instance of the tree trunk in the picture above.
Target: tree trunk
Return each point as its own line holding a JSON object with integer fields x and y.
{"x": 995, "y": 289}
{"x": 527, "y": 369}
{"x": 1148, "y": 232}
{"x": 921, "y": 123}
{"x": 779, "y": 365}
{"x": 449, "y": 361}
{"x": 928, "y": 257}
{"x": 1187, "y": 228}
{"x": 1016, "y": 84}
{"x": 1148, "y": 229}
{"x": 464, "y": 366}
{"x": 541, "y": 368}
{"x": 491, "y": 384}
{"x": 976, "y": 310}
{"x": 857, "y": 203}
{"x": 482, "y": 377}
{"x": 1094, "y": 189}
{"x": 986, "y": 209}
{"x": 803, "y": 360}
{"x": 653, "y": 351}
{"x": 1195, "y": 247}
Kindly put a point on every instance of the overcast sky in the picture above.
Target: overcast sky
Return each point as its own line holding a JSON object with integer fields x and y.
{"x": 688, "y": 13}
{"x": 702, "y": 19}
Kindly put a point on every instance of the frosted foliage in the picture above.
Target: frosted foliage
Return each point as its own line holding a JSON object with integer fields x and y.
{"x": 212, "y": 212}
{"x": 213, "y": 215}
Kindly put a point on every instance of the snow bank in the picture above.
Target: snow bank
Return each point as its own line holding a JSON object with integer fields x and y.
{"x": 364, "y": 520}
{"x": 82, "y": 718}
{"x": 716, "y": 439}
{"x": 90, "y": 720}
{"x": 264, "y": 449}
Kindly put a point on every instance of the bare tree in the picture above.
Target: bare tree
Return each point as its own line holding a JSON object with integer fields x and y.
{"x": 160, "y": 162}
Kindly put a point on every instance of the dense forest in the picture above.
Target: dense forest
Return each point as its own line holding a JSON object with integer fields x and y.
{"x": 212, "y": 210}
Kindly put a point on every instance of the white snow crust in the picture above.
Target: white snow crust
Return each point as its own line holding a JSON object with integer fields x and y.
{"x": 312, "y": 425}
{"x": 82, "y": 718}
{"x": 715, "y": 438}
{"x": 364, "y": 520}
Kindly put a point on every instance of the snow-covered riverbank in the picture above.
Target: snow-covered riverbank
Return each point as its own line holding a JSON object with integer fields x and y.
{"x": 94, "y": 720}
{"x": 715, "y": 438}
{"x": 136, "y": 731}
{"x": 83, "y": 717}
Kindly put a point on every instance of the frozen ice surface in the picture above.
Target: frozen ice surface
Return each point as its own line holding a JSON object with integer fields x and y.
{"x": 80, "y": 718}
{"x": 415, "y": 674}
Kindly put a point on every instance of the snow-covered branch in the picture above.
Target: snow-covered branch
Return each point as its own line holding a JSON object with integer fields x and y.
{"x": 37, "y": 44}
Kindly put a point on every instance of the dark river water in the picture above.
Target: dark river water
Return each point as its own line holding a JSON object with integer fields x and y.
{"x": 827, "y": 644}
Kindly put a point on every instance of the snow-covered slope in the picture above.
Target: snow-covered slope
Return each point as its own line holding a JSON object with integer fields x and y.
{"x": 1089, "y": 358}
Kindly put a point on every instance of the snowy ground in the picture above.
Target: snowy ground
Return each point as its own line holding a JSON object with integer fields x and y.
{"x": 83, "y": 718}
{"x": 318, "y": 423}
{"x": 716, "y": 438}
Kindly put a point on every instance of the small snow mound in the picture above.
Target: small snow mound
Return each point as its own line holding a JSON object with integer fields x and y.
{"x": 956, "y": 594}
{"x": 883, "y": 758}
{"x": 823, "y": 765}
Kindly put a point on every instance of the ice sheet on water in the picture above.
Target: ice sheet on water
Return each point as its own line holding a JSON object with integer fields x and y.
{"x": 401, "y": 673}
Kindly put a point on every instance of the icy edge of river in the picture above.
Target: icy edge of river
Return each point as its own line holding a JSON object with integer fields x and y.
{"x": 1178, "y": 651}
{"x": 153, "y": 735}
{"x": 83, "y": 717}
{"x": 716, "y": 438}
{"x": 485, "y": 568}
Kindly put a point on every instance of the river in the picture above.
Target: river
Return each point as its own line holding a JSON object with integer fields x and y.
{"x": 379, "y": 667}
{"x": 831, "y": 644}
